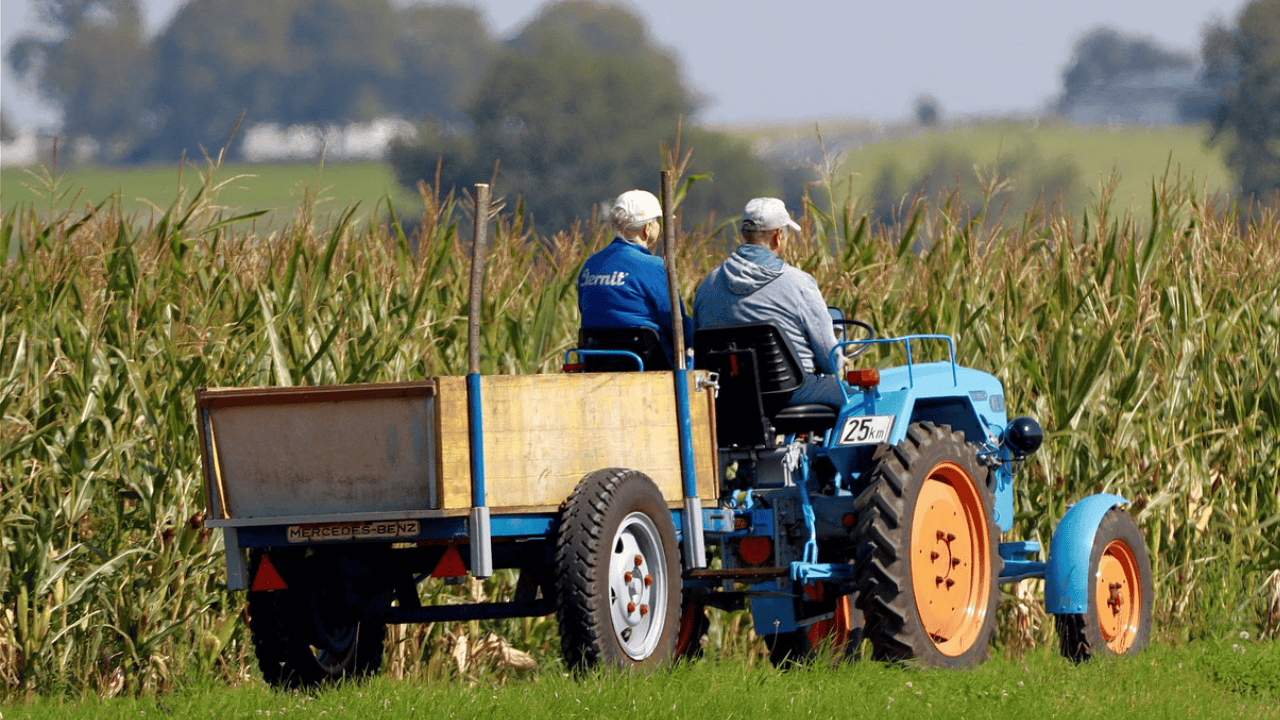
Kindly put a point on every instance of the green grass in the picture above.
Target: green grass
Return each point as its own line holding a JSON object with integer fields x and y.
{"x": 1137, "y": 155}
{"x": 282, "y": 189}
{"x": 1202, "y": 680}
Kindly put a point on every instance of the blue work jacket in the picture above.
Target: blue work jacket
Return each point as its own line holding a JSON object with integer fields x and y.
{"x": 625, "y": 286}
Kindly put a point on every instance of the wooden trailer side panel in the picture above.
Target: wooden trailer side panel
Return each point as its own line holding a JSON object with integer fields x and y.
{"x": 274, "y": 452}
{"x": 543, "y": 433}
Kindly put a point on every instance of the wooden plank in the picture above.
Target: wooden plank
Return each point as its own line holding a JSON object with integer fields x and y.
{"x": 302, "y": 394}
{"x": 543, "y": 433}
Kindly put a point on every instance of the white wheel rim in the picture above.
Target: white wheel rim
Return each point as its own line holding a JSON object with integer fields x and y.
{"x": 637, "y": 585}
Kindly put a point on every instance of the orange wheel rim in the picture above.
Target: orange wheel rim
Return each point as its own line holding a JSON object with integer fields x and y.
{"x": 950, "y": 559}
{"x": 1118, "y": 597}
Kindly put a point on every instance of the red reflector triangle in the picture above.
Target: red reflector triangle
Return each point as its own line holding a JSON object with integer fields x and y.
{"x": 450, "y": 565}
{"x": 268, "y": 578}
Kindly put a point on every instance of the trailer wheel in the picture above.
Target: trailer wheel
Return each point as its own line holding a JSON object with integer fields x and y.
{"x": 299, "y": 644}
{"x": 617, "y": 573}
{"x": 836, "y": 637}
{"x": 1117, "y": 616}
{"x": 927, "y": 567}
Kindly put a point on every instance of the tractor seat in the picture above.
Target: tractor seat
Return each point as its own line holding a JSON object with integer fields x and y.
{"x": 804, "y": 418}
{"x": 758, "y": 370}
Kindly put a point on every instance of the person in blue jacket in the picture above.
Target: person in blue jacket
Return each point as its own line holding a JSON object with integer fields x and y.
{"x": 625, "y": 285}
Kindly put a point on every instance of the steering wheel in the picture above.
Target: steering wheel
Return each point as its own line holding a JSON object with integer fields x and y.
{"x": 858, "y": 350}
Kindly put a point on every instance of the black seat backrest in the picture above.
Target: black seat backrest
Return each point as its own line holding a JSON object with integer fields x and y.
{"x": 642, "y": 341}
{"x": 776, "y": 361}
{"x": 754, "y": 362}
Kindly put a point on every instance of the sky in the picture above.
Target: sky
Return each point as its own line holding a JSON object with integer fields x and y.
{"x": 760, "y": 61}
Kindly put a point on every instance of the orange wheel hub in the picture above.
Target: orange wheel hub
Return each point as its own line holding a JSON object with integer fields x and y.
{"x": 1118, "y": 596}
{"x": 951, "y": 559}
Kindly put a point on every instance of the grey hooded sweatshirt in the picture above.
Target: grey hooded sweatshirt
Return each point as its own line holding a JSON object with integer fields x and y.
{"x": 754, "y": 285}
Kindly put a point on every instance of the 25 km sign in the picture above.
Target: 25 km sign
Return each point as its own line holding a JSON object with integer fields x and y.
{"x": 867, "y": 430}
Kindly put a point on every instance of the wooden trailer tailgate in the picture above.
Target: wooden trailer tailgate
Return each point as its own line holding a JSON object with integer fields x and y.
{"x": 543, "y": 433}
{"x": 320, "y": 451}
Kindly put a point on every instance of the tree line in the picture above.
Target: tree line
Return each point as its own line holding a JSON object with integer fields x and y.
{"x": 572, "y": 110}
{"x": 568, "y": 112}
{"x": 287, "y": 61}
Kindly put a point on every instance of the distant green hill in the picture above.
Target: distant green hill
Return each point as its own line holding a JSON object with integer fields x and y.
{"x": 1136, "y": 155}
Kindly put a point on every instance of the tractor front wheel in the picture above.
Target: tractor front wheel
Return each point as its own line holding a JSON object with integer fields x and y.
{"x": 1117, "y": 616}
{"x": 926, "y": 540}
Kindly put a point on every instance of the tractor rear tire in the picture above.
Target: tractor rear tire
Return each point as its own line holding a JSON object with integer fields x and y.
{"x": 927, "y": 563}
{"x": 1117, "y": 616}
{"x": 618, "y": 578}
{"x": 297, "y": 646}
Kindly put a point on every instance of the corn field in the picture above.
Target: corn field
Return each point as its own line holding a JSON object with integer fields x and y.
{"x": 1144, "y": 342}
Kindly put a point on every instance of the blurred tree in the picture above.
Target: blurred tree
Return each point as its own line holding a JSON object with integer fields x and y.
{"x": 600, "y": 28}
{"x": 288, "y": 61}
{"x": 97, "y": 68}
{"x": 7, "y": 132}
{"x": 1242, "y": 63}
{"x": 574, "y": 111}
{"x": 218, "y": 58}
{"x": 310, "y": 62}
{"x": 1104, "y": 56}
{"x": 444, "y": 52}
{"x": 733, "y": 175}
{"x": 440, "y": 155}
{"x": 342, "y": 52}
{"x": 928, "y": 112}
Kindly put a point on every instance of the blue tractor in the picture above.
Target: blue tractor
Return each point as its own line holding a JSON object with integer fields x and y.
{"x": 884, "y": 521}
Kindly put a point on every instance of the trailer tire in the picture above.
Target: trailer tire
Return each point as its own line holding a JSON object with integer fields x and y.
{"x": 1119, "y": 621}
{"x": 295, "y": 648}
{"x": 927, "y": 563}
{"x": 618, "y": 578}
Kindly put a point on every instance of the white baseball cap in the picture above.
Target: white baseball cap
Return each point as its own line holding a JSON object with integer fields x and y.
{"x": 764, "y": 214}
{"x": 636, "y": 207}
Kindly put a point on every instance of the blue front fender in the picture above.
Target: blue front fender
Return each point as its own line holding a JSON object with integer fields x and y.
{"x": 1066, "y": 575}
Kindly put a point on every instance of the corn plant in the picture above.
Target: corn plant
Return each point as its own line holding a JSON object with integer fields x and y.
{"x": 1143, "y": 341}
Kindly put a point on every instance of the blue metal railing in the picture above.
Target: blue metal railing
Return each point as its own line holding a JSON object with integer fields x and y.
{"x": 906, "y": 343}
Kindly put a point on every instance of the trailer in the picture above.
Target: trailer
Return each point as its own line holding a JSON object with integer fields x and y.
{"x": 630, "y": 501}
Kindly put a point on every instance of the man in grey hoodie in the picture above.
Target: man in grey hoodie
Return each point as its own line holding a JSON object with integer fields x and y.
{"x": 755, "y": 285}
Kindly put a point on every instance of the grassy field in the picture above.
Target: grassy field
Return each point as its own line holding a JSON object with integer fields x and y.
{"x": 283, "y": 190}
{"x": 1137, "y": 156}
{"x": 1240, "y": 679}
